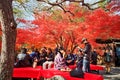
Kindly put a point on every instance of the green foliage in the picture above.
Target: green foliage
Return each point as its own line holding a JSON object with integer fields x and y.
{"x": 24, "y": 45}
{"x": 57, "y": 15}
{"x": 22, "y": 1}
{"x": 103, "y": 4}
{"x": 78, "y": 20}
{"x": 18, "y": 8}
{"x": 17, "y": 12}
{"x": 82, "y": 19}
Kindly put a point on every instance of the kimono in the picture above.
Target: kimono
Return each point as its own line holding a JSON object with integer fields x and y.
{"x": 59, "y": 62}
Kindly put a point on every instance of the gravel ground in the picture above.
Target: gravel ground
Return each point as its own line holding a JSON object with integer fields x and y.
{"x": 114, "y": 74}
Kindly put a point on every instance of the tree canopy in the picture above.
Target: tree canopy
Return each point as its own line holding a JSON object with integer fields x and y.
{"x": 57, "y": 27}
{"x": 67, "y": 20}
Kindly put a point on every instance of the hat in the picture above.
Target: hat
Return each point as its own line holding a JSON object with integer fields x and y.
{"x": 83, "y": 39}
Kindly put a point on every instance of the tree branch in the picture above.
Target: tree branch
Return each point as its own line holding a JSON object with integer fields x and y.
{"x": 98, "y": 2}
{"x": 59, "y": 4}
{"x": 66, "y": 10}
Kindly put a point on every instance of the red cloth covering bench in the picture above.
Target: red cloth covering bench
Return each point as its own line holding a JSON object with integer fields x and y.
{"x": 96, "y": 67}
{"x": 92, "y": 67}
{"x": 48, "y": 73}
{"x": 27, "y": 72}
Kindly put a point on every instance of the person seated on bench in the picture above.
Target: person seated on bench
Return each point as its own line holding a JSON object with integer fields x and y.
{"x": 49, "y": 59}
{"x": 59, "y": 61}
{"x": 23, "y": 59}
{"x": 77, "y": 72}
{"x": 94, "y": 55}
{"x": 70, "y": 59}
{"x": 43, "y": 55}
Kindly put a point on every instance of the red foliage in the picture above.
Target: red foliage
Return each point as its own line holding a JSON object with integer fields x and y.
{"x": 102, "y": 23}
{"x": 21, "y": 20}
{"x": 92, "y": 25}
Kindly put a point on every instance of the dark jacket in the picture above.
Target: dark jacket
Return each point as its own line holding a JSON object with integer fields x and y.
{"x": 42, "y": 58}
{"x": 43, "y": 55}
{"x": 87, "y": 49}
{"x": 107, "y": 57}
{"x": 23, "y": 60}
{"x": 94, "y": 57}
{"x": 70, "y": 57}
{"x": 50, "y": 56}
{"x": 80, "y": 62}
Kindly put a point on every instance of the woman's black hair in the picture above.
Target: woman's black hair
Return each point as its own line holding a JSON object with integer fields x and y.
{"x": 60, "y": 52}
{"x": 50, "y": 50}
{"x": 23, "y": 50}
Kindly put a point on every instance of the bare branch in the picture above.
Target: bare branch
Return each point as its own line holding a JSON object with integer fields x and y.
{"x": 66, "y": 10}
{"x": 59, "y": 4}
{"x": 75, "y": 1}
{"x": 98, "y": 2}
{"x": 50, "y": 8}
{"x": 54, "y": 4}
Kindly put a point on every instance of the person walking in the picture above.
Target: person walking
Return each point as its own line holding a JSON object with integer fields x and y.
{"x": 107, "y": 58}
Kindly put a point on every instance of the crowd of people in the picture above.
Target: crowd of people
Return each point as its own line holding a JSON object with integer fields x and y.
{"x": 61, "y": 58}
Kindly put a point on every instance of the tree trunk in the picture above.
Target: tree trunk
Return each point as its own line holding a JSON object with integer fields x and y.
{"x": 8, "y": 39}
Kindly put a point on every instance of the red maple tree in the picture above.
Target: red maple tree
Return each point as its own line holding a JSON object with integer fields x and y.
{"x": 61, "y": 28}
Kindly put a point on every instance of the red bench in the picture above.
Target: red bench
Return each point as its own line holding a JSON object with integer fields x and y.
{"x": 27, "y": 72}
{"x": 51, "y": 72}
{"x": 92, "y": 67}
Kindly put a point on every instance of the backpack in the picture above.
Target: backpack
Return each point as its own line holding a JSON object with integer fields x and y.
{"x": 77, "y": 72}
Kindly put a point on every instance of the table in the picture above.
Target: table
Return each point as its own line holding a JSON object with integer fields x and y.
{"x": 27, "y": 72}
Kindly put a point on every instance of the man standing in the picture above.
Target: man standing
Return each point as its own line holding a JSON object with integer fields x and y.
{"x": 86, "y": 58}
